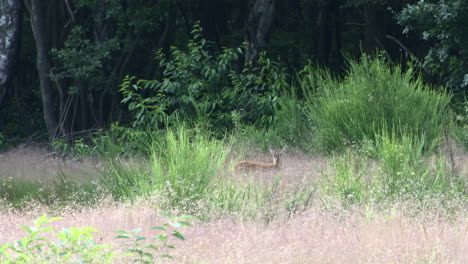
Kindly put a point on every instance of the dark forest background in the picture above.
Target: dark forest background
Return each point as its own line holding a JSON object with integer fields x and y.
{"x": 64, "y": 63}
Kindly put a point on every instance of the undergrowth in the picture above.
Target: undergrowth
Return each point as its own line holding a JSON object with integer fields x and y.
{"x": 77, "y": 244}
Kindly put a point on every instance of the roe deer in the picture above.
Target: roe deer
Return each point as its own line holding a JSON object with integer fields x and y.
{"x": 248, "y": 164}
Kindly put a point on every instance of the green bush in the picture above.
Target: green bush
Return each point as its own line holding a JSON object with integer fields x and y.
{"x": 375, "y": 98}
{"x": 74, "y": 245}
{"x": 291, "y": 122}
{"x": 204, "y": 86}
{"x": 77, "y": 245}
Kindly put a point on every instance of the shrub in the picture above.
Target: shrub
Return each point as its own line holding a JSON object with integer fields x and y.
{"x": 375, "y": 98}
{"x": 201, "y": 85}
{"x": 77, "y": 245}
{"x": 74, "y": 245}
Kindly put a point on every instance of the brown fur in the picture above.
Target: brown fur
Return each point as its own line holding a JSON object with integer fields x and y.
{"x": 248, "y": 164}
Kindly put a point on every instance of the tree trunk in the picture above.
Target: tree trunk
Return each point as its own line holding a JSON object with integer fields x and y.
{"x": 213, "y": 20}
{"x": 328, "y": 34}
{"x": 169, "y": 28}
{"x": 43, "y": 65}
{"x": 258, "y": 26}
{"x": 11, "y": 13}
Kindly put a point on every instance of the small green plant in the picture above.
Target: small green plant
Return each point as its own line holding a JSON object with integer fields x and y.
{"x": 77, "y": 150}
{"x": 74, "y": 245}
{"x": 144, "y": 251}
{"x": 347, "y": 178}
{"x": 405, "y": 169}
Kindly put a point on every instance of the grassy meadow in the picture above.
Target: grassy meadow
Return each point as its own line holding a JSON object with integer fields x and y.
{"x": 375, "y": 172}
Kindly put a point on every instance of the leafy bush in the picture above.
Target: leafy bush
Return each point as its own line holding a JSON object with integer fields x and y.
{"x": 142, "y": 250}
{"x": 375, "y": 98}
{"x": 291, "y": 122}
{"x": 443, "y": 25}
{"x": 201, "y": 85}
{"x": 77, "y": 245}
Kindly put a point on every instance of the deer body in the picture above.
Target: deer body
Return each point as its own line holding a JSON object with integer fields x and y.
{"x": 248, "y": 164}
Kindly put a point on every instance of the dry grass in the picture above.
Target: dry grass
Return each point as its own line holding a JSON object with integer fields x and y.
{"x": 311, "y": 237}
{"x": 35, "y": 164}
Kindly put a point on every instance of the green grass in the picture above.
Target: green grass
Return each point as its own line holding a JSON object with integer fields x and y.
{"x": 346, "y": 178}
{"x": 401, "y": 171}
{"x": 18, "y": 192}
{"x": 406, "y": 169}
{"x": 185, "y": 165}
{"x": 376, "y": 98}
{"x": 383, "y": 127}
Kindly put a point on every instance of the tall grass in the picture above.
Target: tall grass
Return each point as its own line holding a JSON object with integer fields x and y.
{"x": 185, "y": 165}
{"x": 291, "y": 122}
{"x": 181, "y": 167}
{"x": 346, "y": 178}
{"x": 374, "y": 98}
{"x": 58, "y": 190}
{"x": 402, "y": 171}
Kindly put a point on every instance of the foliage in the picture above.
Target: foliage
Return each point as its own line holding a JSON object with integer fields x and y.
{"x": 461, "y": 131}
{"x": 182, "y": 165}
{"x": 347, "y": 178}
{"x": 405, "y": 169}
{"x": 375, "y": 99}
{"x": 116, "y": 141}
{"x": 291, "y": 122}
{"x": 201, "y": 85}
{"x": 402, "y": 171}
{"x": 77, "y": 245}
{"x": 443, "y": 25}
{"x": 74, "y": 245}
{"x": 77, "y": 150}
{"x": 142, "y": 250}
{"x": 82, "y": 60}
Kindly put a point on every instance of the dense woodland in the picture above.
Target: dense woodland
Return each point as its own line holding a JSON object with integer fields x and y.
{"x": 63, "y": 63}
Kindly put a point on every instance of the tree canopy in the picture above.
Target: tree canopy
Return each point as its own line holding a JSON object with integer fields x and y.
{"x": 63, "y": 64}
